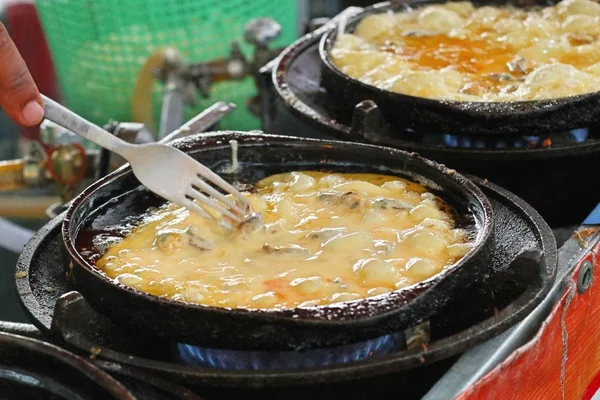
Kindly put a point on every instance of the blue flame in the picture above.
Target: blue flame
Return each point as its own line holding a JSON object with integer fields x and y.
{"x": 467, "y": 142}
{"x": 580, "y": 135}
{"x": 259, "y": 360}
{"x": 450, "y": 140}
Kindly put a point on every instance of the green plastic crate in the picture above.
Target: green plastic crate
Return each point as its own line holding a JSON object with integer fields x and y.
{"x": 99, "y": 47}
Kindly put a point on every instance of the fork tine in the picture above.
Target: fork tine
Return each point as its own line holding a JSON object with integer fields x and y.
{"x": 206, "y": 173}
{"x": 197, "y": 195}
{"x": 205, "y": 187}
{"x": 187, "y": 203}
{"x": 190, "y": 205}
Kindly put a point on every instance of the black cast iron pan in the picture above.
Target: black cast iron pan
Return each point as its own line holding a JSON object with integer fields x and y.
{"x": 456, "y": 117}
{"x": 119, "y": 196}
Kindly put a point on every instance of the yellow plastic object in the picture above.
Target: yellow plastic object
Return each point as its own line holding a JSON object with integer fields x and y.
{"x": 141, "y": 100}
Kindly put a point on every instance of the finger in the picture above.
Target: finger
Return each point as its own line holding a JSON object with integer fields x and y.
{"x": 19, "y": 95}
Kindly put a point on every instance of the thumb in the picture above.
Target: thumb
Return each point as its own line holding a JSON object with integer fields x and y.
{"x": 19, "y": 95}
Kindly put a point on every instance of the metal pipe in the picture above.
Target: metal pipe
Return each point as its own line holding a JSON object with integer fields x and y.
{"x": 201, "y": 122}
{"x": 171, "y": 116}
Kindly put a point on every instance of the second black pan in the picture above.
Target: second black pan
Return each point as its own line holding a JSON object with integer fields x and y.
{"x": 455, "y": 117}
{"x": 120, "y": 197}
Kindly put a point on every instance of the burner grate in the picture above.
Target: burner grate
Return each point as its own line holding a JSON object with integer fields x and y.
{"x": 261, "y": 360}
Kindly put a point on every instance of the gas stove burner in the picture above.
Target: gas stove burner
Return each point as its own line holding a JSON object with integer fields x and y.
{"x": 485, "y": 310}
{"x": 261, "y": 360}
{"x": 529, "y": 142}
{"x": 296, "y": 78}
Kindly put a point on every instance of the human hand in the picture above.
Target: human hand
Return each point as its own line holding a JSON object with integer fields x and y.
{"x": 19, "y": 95}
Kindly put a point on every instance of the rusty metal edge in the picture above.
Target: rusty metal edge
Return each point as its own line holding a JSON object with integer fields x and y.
{"x": 477, "y": 362}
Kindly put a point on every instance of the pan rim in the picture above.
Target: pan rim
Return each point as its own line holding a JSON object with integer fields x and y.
{"x": 318, "y": 315}
{"x": 60, "y": 355}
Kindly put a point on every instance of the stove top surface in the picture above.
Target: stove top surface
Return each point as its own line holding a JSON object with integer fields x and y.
{"x": 484, "y": 309}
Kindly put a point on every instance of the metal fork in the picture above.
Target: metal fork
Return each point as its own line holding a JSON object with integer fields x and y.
{"x": 165, "y": 170}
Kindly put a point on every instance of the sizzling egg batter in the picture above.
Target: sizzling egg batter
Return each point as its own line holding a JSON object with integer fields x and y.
{"x": 323, "y": 238}
{"x": 456, "y": 51}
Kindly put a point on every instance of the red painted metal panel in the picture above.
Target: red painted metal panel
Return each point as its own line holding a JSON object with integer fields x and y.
{"x": 563, "y": 360}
